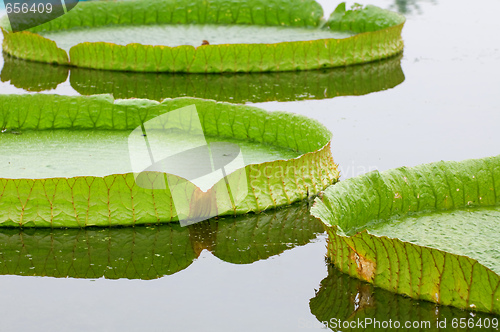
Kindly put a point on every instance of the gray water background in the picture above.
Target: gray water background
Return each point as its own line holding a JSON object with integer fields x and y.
{"x": 448, "y": 108}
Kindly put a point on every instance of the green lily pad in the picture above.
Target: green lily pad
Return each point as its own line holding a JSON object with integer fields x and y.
{"x": 237, "y": 88}
{"x": 209, "y": 36}
{"x": 343, "y": 302}
{"x": 113, "y": 253}
{"x": 427, "y": 232}
{"x": 150, "y": 252}
{"x": 468, "y": 232}
{"x": 32, "y": 76}
{"x": 93, "y": 161}
{"x": 193, "y": 35}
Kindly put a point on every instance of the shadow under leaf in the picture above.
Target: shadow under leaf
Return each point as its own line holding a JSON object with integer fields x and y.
{"x": 32, "y": 76}
{"x": 153, "y": 251}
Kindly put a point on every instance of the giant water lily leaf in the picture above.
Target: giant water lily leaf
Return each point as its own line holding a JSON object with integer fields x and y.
{"x": 93, "y": 161}
{"x": 428, "y": 232}
{"x": 148, "y": 252}
{"x": 238, "y": 88}
{"x": 343, "y": 302}
{"x": 209, "y": 36}
{"x": 133, "y": 253}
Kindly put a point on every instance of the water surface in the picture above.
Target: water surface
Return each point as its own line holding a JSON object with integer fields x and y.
{"x": 447, "y": 108}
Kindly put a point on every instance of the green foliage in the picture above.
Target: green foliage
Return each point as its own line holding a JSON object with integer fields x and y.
{"x": 266, "y": 234}
{"x": 116, "y": 199}
{"x": 32, "y": 76}
{"x": 421, "y": 272}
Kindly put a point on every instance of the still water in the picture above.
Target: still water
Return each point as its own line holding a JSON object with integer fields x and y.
{"x": 438, "y": 102}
